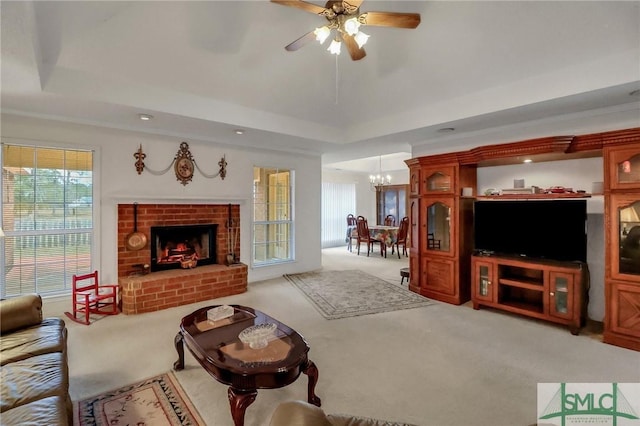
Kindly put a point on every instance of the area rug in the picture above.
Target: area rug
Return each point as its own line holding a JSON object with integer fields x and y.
{"x": 341, "y": 294}
{"x": 158, "y": 401}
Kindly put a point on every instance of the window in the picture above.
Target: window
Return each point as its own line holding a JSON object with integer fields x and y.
{"x": 272, "y": 216}
{"x": 47, "y": 218}
{"x": 338, "y": 200}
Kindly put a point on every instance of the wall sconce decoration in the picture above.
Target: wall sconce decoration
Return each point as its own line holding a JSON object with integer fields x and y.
{"x": 184, "y": 165}
{"x": 139, "y": 156}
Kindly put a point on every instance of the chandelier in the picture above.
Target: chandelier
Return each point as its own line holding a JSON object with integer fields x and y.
{"x": 341, "y": 25}
{"x": 379, "y": 180}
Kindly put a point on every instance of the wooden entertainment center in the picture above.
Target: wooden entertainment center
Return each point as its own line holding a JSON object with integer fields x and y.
{"x": 442, "y": 264}
{"x": 547, "y": 290}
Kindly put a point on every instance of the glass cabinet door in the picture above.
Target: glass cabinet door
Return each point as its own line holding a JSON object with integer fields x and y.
{"x": 624, "y": 172}
{"x": 560, "y": 295}
{"x": 483, "y": 278}
{"x": 438, "y": 181}
{"x": 414, "y": 225}
{"x": 438, "y": 227}
{"x": 414, "y": 181}
{"x": 629, "y": 235}
{"x": 629, "y": 170}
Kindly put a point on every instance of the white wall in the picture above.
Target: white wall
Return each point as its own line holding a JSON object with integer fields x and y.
{"x": 117, "y": 181}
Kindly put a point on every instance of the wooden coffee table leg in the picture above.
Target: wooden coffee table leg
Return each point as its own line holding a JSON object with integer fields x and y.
{"x": 312, "y": 371}
{"x": 239, "y": 401}
{"x": 178, "y": 341}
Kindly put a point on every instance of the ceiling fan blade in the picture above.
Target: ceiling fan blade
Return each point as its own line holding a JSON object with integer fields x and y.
{"x": 350, "y": 6}
{"x": 310, "y": 36}
{"x": 391, "y": 19}
{"x": 309, "y": 7}
{"x": 356, "y": 52}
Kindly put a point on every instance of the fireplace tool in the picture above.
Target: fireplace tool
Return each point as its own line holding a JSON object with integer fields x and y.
{"x": 232, "y": 240}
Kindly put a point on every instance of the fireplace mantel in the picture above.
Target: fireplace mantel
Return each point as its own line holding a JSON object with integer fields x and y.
{"x": 170, "y": 200}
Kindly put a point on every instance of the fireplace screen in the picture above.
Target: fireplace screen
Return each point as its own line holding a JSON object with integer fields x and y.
{"x": 183, "y": 246}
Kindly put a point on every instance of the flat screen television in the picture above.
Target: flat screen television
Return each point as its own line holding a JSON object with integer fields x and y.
{"x": 544, "y": 229}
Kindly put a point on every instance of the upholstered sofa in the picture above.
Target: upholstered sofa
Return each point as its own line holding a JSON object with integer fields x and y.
{"x": 34, "y": 375}
{"x": 300, "y": 413}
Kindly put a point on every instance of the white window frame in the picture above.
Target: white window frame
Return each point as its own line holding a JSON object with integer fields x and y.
{"x": 258, "y": 222}
{"x": 95, "y": 206}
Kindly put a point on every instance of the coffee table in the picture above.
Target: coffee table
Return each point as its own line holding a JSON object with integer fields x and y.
{"x": 218, "y": 349}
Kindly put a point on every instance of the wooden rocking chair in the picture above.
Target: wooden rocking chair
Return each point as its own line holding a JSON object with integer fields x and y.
{"x": 89, "y": 297}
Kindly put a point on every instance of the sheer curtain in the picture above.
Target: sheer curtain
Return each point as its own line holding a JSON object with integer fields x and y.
{"x": 338, "y": 200}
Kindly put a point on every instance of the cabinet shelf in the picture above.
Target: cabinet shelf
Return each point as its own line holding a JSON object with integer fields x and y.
{"x": 533, "y": 196}
{"x": 531, "y": 285}
{"x": 522, "y": 306}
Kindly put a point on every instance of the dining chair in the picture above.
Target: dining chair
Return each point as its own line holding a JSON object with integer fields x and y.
{"x": 89, "y": 297}
{"x": 352, "y": 231}
{"x": 403, "y": 232}
{"x": 390, "y": 220}
{"x": 365, "y": 237}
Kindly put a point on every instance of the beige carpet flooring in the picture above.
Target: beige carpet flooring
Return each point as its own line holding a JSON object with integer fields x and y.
{"x": 438, "y": 365}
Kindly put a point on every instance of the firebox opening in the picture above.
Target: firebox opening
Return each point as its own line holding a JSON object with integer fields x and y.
{"x": 174, "y": 247}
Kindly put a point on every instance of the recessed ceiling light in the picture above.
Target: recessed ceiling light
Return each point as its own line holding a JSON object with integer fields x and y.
{"x": 446, "y": 130}
{"x": 145, "y": 117}
{"x": 239, "y": 132}
{"x": 528, "y": 160}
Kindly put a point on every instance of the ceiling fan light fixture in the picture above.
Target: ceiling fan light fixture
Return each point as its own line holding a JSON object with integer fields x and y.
{"x": 322, "y": 34}
{"x": 352, "y": 26}
{"x": 361, "y": 38}
{"x": 334, "y": 47}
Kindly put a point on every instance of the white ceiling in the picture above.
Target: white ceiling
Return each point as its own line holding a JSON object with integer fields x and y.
{"x": 204, "y": 69}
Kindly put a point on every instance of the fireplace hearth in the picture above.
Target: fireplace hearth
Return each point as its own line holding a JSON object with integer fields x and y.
{"x": 182, "y": 246}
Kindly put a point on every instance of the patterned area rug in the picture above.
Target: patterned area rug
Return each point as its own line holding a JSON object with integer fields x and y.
{"x": 158, "y": 401}
{"x": 341, "y": 294}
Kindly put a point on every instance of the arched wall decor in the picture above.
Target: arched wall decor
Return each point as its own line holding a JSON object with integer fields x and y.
{"x": 184, "y": 165}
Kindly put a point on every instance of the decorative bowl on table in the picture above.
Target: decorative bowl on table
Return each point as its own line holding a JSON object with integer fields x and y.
{"x": 257, "y": 336}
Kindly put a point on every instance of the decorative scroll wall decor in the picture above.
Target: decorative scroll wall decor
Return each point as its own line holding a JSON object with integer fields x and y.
{"x": 183, "y": 164}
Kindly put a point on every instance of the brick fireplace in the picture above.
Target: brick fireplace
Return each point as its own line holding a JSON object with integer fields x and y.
{"x": 164, "y": 289}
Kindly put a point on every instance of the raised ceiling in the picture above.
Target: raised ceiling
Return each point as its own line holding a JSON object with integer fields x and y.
{"x": 205, "y": 69}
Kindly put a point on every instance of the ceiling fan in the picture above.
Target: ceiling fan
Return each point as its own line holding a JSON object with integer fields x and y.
{"x": 345, "y": 19}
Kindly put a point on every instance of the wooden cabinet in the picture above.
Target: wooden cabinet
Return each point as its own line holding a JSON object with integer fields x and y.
{"x": 551, "y": 291}
{"x": 446, "y": 273}
{"x": 441, "y": 233}
{"x": 391, "y": 200}
{"x": 622, "y": 217}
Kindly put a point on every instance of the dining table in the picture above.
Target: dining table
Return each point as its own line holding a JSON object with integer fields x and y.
{"x": 387, "y": 234}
